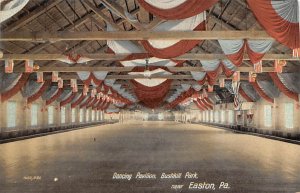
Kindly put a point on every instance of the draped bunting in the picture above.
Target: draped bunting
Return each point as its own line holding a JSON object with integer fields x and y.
{"x": 279, "y": 18}
{"x": 85, "y": 99}
{"x": 169, "y": 48}
{"x": 16, "y": 88}
{"x": 206, "y": 104}
{"x": 269, "y": 88}
{"x": 37, "y": 95}
{"x": 151, "y": 97}
{"x": 136, "y": 53}
{"x": 176, "y": 9}
{"x": 213, "y": 69}
{"x": 244, "y": 95}
{"x": 228, "y": 68}
{"x": 148, "y": 73}
{"x": 180, "y": 98}
{"x": 92, "y": 103}
{"x": 31, "y": 88}
{"x": 85, "y": 102}
{"x": 100, "y": 104}
{"x": 67, "y": 100}
{"x": 50, "y": 92}
{"x": 261, "y": 92}
{"x": 95, "y": 78}
{"x": 79, "y": 100}
{"x": 234, "y": 49}
{"x": 54, "y": 97}
{"x": 8, "y": 81}
{"x": 198, "y": 105}
{"x": 162, "y": 49}
{"x": 197, "y": 87}
{"x": 94, "y": 107}
{"x": 78, "y": 95}
{"x": 11, "y": 9}
{"x": 256, "y": 49}
{"x": 282, "y": 87}
{"x": 248, "y": 89}
{"x": 289, "y": 80}
{"x": 200, "y": 101}
{"x": 64, "y": 95}
{"x": 105, "y": 106}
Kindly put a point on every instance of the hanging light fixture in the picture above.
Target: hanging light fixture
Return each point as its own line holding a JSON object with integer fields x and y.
{"x": 147, "y": 72}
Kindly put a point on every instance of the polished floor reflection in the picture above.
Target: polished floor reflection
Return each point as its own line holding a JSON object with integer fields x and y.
{"x": 85, "y": 160}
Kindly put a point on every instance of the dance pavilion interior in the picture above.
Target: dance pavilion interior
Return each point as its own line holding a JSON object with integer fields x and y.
{"x": 155, "y": 76}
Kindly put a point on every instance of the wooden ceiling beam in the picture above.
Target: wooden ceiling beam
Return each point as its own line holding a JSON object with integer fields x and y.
{"x": 133, "y": 35}
{"x": 129, "y": 69}
{"x": 116, "y": 57}
{"x": 182, "y": 78}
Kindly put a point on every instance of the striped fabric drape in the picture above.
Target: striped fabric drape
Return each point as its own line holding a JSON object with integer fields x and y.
{"x": 176, "y": 9}
{"x": 280, "y": 18}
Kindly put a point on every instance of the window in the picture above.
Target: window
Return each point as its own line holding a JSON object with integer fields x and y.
{"x": 11, "y": 112}
{"x": 289, "y": 115}
{"x": 161, "y": 116}
{"x": 230, "y": 117}
{"x": 199, "y": 118}
{"x": 207, "y": 116}
{"x": 268, "y": 115}
{"x": 223, "y": 116}
{"x": 81, "y": 115}
{"x": 63, "y": 115}
{"x": 203, "y": 116}
{"x": 93, "y": 115}
{"x": 216, "y": 116}
{"x": 87, "y": 113}
{"x": 34, "y": 114}
{"x": 211, "y": 116}
{"x": 97, "y": 115}
{"x": 73, "y": 111}
{"x": 50, "y": 115}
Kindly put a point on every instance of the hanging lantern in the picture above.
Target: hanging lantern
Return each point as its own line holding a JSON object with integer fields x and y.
{"x": 9, "y": 66}
{"x": 296, "y": 52}
{"x": 258, "y": 67}
{"x": 40, "y": 77}
{"x": 252, "y": 76}
{"x": 279, "y": 64}
{"x": 222, "y": 82}
{"x": 236, "y": 76}
{"x": 28, "y": 66}
{"x": 60, "y": 83}
{"x": 54, "y": 76}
